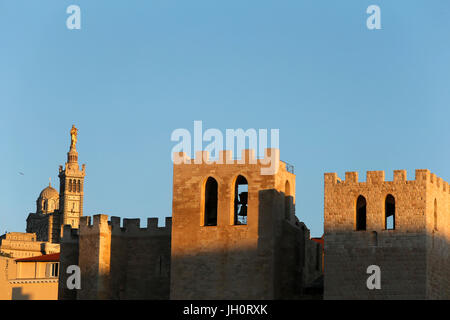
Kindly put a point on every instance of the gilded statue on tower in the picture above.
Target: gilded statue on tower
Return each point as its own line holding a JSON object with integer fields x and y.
{"x": 73, "y": 136}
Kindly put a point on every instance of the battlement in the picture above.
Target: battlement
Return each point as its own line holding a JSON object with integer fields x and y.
{"x": 423, "y": 176}
{"x": 268, "y": 165}
{"x": 134, "y": 226}
{"x": 130, "y": 226}
{"x": 226, "y": 157}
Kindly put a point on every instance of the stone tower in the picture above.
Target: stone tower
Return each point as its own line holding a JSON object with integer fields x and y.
{"x": 401, "y": 226}
{"x": 71, "y": 186}
{"x": 234, "y": 230}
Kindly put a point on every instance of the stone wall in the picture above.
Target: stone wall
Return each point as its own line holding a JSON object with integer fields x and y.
{"x": 409, "y": 269}
{"x": 68, "y": 256}
{"x": 117, "y": 262}
{"x": 438, "y": 238}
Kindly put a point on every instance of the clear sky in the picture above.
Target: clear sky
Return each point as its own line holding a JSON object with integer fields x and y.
{"x": 344, "y": 98}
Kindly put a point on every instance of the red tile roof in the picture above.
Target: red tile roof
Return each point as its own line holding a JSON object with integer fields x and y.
{"x": 45, "y": 258}
{"x": 319, "y": 240}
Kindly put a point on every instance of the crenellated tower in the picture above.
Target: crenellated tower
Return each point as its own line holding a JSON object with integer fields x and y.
{"x": 234, "y": 233}
{"x": 401, "y": 226}
{"x": 71, "y": 185}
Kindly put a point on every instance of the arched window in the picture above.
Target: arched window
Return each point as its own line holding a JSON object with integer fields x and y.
{"x": 389, "y": 210}
{"x": 287, "y": 189}
{"x": 435, "y": 215}
{"x": 70, "y": 185}
{"x": 240, "y": 200}
{"x": 211, "y": 188}
{"x": 79, "y": 186}
{"x": 361, "y": 213}
{"x": 289, "y": 201}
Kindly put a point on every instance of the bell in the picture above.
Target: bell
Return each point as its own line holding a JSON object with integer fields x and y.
{"x": 243, "y": 198}
{"x": 242, "y": 211}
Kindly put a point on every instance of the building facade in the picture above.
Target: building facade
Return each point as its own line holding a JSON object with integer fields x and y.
{"x": 25, "y": 245}
{"x": 34, "y": 278}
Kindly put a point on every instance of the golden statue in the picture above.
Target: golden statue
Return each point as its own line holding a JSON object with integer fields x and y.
{"x": 73, "y": 136}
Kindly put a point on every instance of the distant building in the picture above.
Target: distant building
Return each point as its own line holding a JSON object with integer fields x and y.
{"x": 53, "y": 209}
{"x": 20, "y": 245}
{"x": 34, "y": 278}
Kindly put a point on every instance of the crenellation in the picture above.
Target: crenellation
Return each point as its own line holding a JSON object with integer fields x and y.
{"x": 226, "y": 156}
{"x": 100, "y": 220}
{"x": 85, "y": 221}
{"x": 115, "y": 222}
{"x": 168, "y": 223}
{"x": 181, "y": 158}
{"x": 131, "y": 224}
{"x": 432, "y": 178}
{"x": 248, "y": 157}
{"x": 439, "y": 181}
{"x": 152, "y": 223}
{"x": 400, "y": 176}
{"x": 202, "y": 157}
{"x": 375, "y": 177}
{"x": 351, "y": 177}
{"x": 422, "y": 176}
{"x": 331, "y": 178}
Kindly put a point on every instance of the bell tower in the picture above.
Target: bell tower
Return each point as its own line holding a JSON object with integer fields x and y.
{"x": 71, "y": 185}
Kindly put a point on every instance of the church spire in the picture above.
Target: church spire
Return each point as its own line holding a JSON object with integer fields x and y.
{"x": 71, "y": 185}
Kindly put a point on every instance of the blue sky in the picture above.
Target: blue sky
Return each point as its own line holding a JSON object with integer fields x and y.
{"x": 344, "y": 98}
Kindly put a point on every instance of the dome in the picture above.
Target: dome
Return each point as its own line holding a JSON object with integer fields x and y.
{"x": 49, "y": 193}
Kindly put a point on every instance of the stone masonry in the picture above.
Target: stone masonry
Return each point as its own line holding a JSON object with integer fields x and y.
{"x": 413, "y": 256}
{"x": 117, "y": 262}
{"x": 270, "y": 257}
